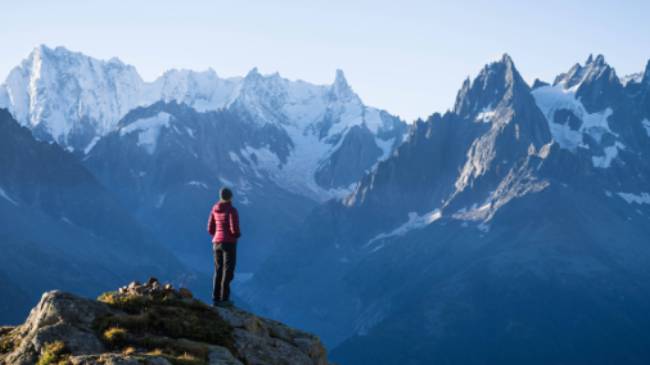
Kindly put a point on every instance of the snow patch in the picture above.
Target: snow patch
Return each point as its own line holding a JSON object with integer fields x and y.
{"x": 91, "y": 145}
{"x": 414, "y": 221}
{"x": 161, "y": 201}
{"x": 610, "y": 154}
{"x": 550, "y": 99}
{"x": 646, "y": 125}
{"x": 225, "y": 181}
{"x": 149, "y": 130}
{"x": 553, "y": 98}
{"x": 634, "y": 78}
{"x": 6, "y": 196}
{"x": 386, "y": 147}
{"x": 642, "y": 198}
{"x": 234, "y": 157}
{"x": 486, "y": 115}
{"x": 198, "y": 184}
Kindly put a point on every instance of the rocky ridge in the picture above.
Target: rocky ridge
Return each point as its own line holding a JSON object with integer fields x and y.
{"x": 151, "y": 323}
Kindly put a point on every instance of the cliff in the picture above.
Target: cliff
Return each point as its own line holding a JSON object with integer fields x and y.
{"x": 151, "y": 324}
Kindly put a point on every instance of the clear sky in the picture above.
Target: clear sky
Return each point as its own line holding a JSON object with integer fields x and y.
{"x": 406, "y": 56}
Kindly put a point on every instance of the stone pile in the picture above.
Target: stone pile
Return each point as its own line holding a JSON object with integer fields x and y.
{"x": 154, "y": 288}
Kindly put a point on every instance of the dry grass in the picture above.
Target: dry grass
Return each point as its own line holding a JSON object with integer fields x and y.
{"x": 116, "y": 336}
{"x": 54, "y": 353}
{"x": 178, "y": 330}
{"x": 7, "y": 340}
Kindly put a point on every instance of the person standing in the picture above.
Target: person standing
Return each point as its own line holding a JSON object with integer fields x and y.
{"x": 223, "y": 226}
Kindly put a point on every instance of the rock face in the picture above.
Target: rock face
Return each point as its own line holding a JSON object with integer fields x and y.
{"x": 151, "y": 324}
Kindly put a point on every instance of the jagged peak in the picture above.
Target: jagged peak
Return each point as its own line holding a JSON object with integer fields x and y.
{"x": 58, "y": 51}
{"x": 187, "y": 73}
{"x": 340, "y": 79}
{"x": 501, "y": 76}
{"x": 116, "y": 60}
{"x": 45, "y": 54}
{"x": 254, "y": 79}
{"x": 593, "y": 68}
{"x": 341, "y": 89}
{"x": 507, "y": 60}
{"x": 599, "y": 60}
{"x": 646, "y": 74}
{"x": 539, "y": 83}
{"x": 253, "y": 73}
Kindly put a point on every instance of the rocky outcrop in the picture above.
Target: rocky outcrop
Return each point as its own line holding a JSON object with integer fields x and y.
{"x": 151, "y": 324}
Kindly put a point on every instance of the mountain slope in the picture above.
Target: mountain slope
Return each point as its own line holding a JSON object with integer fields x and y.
{"x": 486, "y": 230}
{"x": 60, "y": 228}
{"x": 167, "y": 162}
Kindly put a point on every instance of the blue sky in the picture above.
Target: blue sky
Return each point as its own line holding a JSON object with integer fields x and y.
{"x": 409, "y": 57}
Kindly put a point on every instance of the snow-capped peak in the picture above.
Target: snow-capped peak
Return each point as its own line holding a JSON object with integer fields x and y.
{"x": 341, "y": 90}
{"x": 54, "y": 89}
{"x": 632, "y": 78}
{"x": 202, "y": 90}
{"x": 71, "y": 98}
{"x": 594, "y": 68}
{"x": 340, "y": 82}
{"x": 253, "y": 74}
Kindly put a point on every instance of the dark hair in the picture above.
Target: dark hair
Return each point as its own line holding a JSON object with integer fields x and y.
{"x": 225, "y": 194}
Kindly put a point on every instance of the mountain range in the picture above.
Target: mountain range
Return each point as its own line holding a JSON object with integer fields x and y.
{"x": 515, "y": 225}
{"x": 164, "y": 148}
{"x": 510, "y": 229}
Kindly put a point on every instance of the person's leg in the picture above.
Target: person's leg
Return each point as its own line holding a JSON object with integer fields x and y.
{"x": 229, "y": 262}
{"x": 218, "y": 273}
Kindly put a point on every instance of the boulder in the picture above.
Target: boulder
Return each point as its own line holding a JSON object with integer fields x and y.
{"x": 153, "y": 323}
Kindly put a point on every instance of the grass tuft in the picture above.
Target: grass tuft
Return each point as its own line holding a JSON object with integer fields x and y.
{"x": 179, "y": 330}
{"x": 115, "y": 336}
{"x": 54, "y": 353}
{"x": 7, "y": 340}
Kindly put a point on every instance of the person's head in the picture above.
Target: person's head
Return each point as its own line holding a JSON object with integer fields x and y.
{"x": 225, "y": 194}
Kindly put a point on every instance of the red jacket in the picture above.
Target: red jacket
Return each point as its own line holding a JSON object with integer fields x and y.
{"x": 223, "y": 224}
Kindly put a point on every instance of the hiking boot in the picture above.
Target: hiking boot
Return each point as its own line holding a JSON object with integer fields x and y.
{"x": 225, "y": 304}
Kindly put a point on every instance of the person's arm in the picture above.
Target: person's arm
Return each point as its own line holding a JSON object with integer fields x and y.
{"x": 234, "y": 223}
{"x": 212, "y": 225}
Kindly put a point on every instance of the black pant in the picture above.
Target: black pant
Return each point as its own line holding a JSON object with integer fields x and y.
{"x": 225, "y": 258}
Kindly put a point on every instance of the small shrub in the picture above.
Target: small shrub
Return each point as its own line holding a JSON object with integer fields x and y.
{"x": 53, "y": 353}
{"x": 165, "y": 326}
{"x": 7, "y": 341}
{"x": 115, "y": 336}
{"x": 155, "y": 352}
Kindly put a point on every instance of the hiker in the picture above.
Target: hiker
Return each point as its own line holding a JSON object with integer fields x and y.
{"x": 223, "y": 226}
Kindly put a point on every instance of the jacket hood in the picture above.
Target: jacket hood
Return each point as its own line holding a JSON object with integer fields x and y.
{"x": 222, "y": 206}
